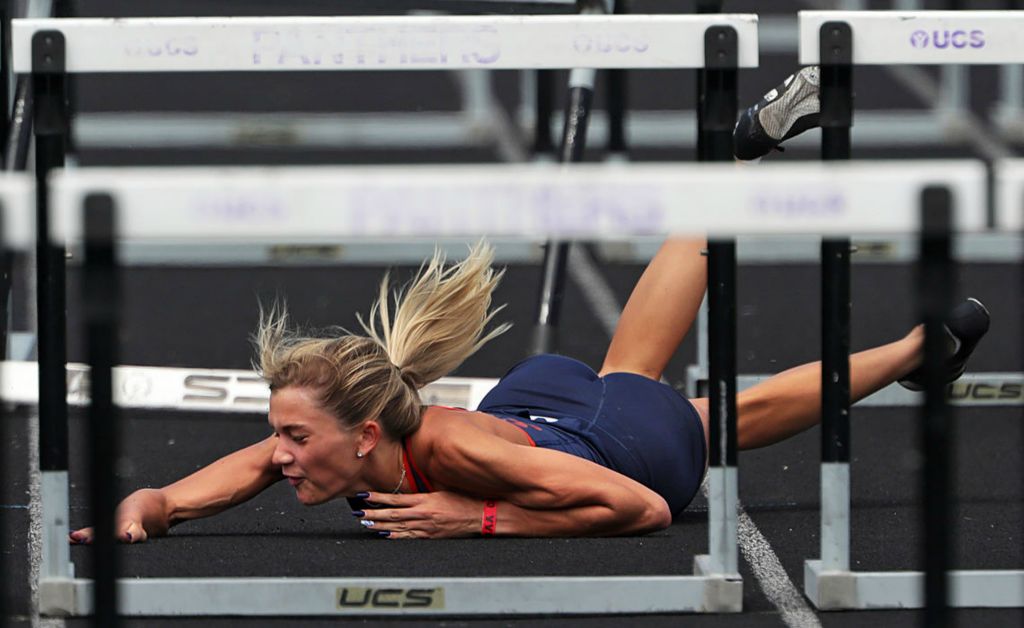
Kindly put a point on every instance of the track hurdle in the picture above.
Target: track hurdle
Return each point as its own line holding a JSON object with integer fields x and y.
{"x": 52, "y": 49}
{"x": 838, "y": 41}
{"x": 317, "y": 204}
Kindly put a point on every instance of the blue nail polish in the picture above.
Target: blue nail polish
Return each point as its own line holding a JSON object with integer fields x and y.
{"x": 358, "y": 513}
{"x": 362, "y": 495}
{"x": 129, "y": 537}
{"x": 365, "y": 523}
{"x": 384, "y": 533}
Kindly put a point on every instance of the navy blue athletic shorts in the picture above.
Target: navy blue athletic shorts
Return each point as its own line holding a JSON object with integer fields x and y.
{"x": 629, "y": 423}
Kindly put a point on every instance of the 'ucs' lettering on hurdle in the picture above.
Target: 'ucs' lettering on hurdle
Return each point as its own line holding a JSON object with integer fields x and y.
{"x": 943, "y": 39}
{"x": 607, "y": 43}
{"x": 370, "y": 598}
{"x": 377, "y": 46}
{"x": 985, "y": 391}
{"x": 187, "y": 46}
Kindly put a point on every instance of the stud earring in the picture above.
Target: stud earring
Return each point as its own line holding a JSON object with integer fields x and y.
{"x": 359, "y": 454}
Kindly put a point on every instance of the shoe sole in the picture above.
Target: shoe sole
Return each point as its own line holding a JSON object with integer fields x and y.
{"x": 800, "y": 99}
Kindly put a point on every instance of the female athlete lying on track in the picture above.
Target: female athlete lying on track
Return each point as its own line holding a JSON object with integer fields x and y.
{"x": 555, "y": 449}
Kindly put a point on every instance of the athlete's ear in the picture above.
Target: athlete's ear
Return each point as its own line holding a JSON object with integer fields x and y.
{"x": 370, "y": 433}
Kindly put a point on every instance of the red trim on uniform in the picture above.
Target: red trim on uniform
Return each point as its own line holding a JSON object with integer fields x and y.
{"x": 405, "y": 467}
{"x": 522, "y": 429}
{"x": 416, "y": 469}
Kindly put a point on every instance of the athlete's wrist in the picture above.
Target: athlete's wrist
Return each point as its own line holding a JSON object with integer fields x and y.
{"x": 489, "y": 518}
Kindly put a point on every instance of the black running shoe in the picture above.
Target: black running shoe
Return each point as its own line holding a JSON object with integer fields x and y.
{"x": 966, "y": 325}
{"x": 786, "y": 111}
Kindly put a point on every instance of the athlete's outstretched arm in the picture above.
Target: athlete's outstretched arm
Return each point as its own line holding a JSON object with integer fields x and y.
{"x": 540, "y": 492}
{"x": 233, "y": 479}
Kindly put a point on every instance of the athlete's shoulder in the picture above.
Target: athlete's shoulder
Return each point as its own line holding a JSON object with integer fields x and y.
{"x": 440, "y": 423}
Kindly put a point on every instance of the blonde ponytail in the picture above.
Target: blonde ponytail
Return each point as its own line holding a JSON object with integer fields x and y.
{"x": 439, "y": 321}
{"x": 439, "y": 317}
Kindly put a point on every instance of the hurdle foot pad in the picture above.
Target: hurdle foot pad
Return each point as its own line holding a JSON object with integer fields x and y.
{"x": 58, "y": 597}
{"x": 829, "y": 590}
{"x": 723, "y": 592}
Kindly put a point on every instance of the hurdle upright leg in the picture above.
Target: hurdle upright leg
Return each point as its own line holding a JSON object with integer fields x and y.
{"x": 935, "y": 283}
{"x": 717, "y": 108}
{"x": 101, "y": 300}
{"x": 836, "y": 48}
{"x": 50, "y": 119}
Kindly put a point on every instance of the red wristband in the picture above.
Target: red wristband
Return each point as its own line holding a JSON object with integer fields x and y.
{"x": 489, "y": 523}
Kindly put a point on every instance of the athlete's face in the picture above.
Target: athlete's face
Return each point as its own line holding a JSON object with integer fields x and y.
{"x": 315, "y": 453}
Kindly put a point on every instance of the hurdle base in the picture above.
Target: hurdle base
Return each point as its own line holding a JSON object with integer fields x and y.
{"x": 723, "y": 592}
{"x": 61, "y": 597}
{"x": 163, "y": 597}
{"x": 851, "y": 590}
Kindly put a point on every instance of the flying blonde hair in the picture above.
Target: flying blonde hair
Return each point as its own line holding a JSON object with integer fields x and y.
{"x": 439, "y": 321}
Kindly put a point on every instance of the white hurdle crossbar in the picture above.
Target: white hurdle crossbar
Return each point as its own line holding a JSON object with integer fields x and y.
{"x": 598, "y": 202}
{"x": 383, "y": 43}
{"x": 904, "y": 37}
{"x": 201, "y": 389}
{"x": 601, "y": 201}
{"x": 17, "y": 203}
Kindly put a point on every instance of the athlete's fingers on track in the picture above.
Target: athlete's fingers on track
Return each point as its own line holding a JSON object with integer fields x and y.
{"x": 407, "y": 534}
{"x": 133, "y": 533}
{"x": 395, "y": 499}
{"x": 81, "y": 537}
{"x": 396, "y": 514}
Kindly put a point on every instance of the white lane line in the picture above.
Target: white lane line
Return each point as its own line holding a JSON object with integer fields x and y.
{"x": 757, "y": 551}
{"x": 599, "y": 295}
{"x": 772, "y": 577}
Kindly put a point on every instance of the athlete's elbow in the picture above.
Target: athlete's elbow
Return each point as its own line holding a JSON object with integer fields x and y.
{"x": 644, "y": 515}
{"x": 655, "y": 515}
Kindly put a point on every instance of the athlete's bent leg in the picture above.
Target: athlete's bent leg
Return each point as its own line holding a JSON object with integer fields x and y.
{"x": 790, "y": 402}
{"x": 660, "y": 311}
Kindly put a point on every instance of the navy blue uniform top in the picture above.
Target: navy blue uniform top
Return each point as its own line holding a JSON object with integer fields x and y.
{"x": 629, "y": 423}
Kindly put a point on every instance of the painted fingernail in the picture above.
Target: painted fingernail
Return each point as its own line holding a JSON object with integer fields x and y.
{"x": 362, "y": 495}
{"x": 384, "y": 532}
{"x": 358, "y": 513}
{"x": 129, "y": 537}
{"x": 365, "y": 523}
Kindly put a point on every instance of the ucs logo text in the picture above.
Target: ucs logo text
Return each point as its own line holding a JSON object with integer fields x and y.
{"x": 383, "y": 598}
{"x": 948, "y": 39}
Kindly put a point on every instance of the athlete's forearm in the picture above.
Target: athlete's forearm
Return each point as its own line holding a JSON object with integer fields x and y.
{"x": 592, "y": 520}
{"x": 233, "y": 479}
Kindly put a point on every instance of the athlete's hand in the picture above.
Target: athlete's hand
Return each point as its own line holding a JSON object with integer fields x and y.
{"x": 423, "y": 515}
{"x": 141, "y": 515}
